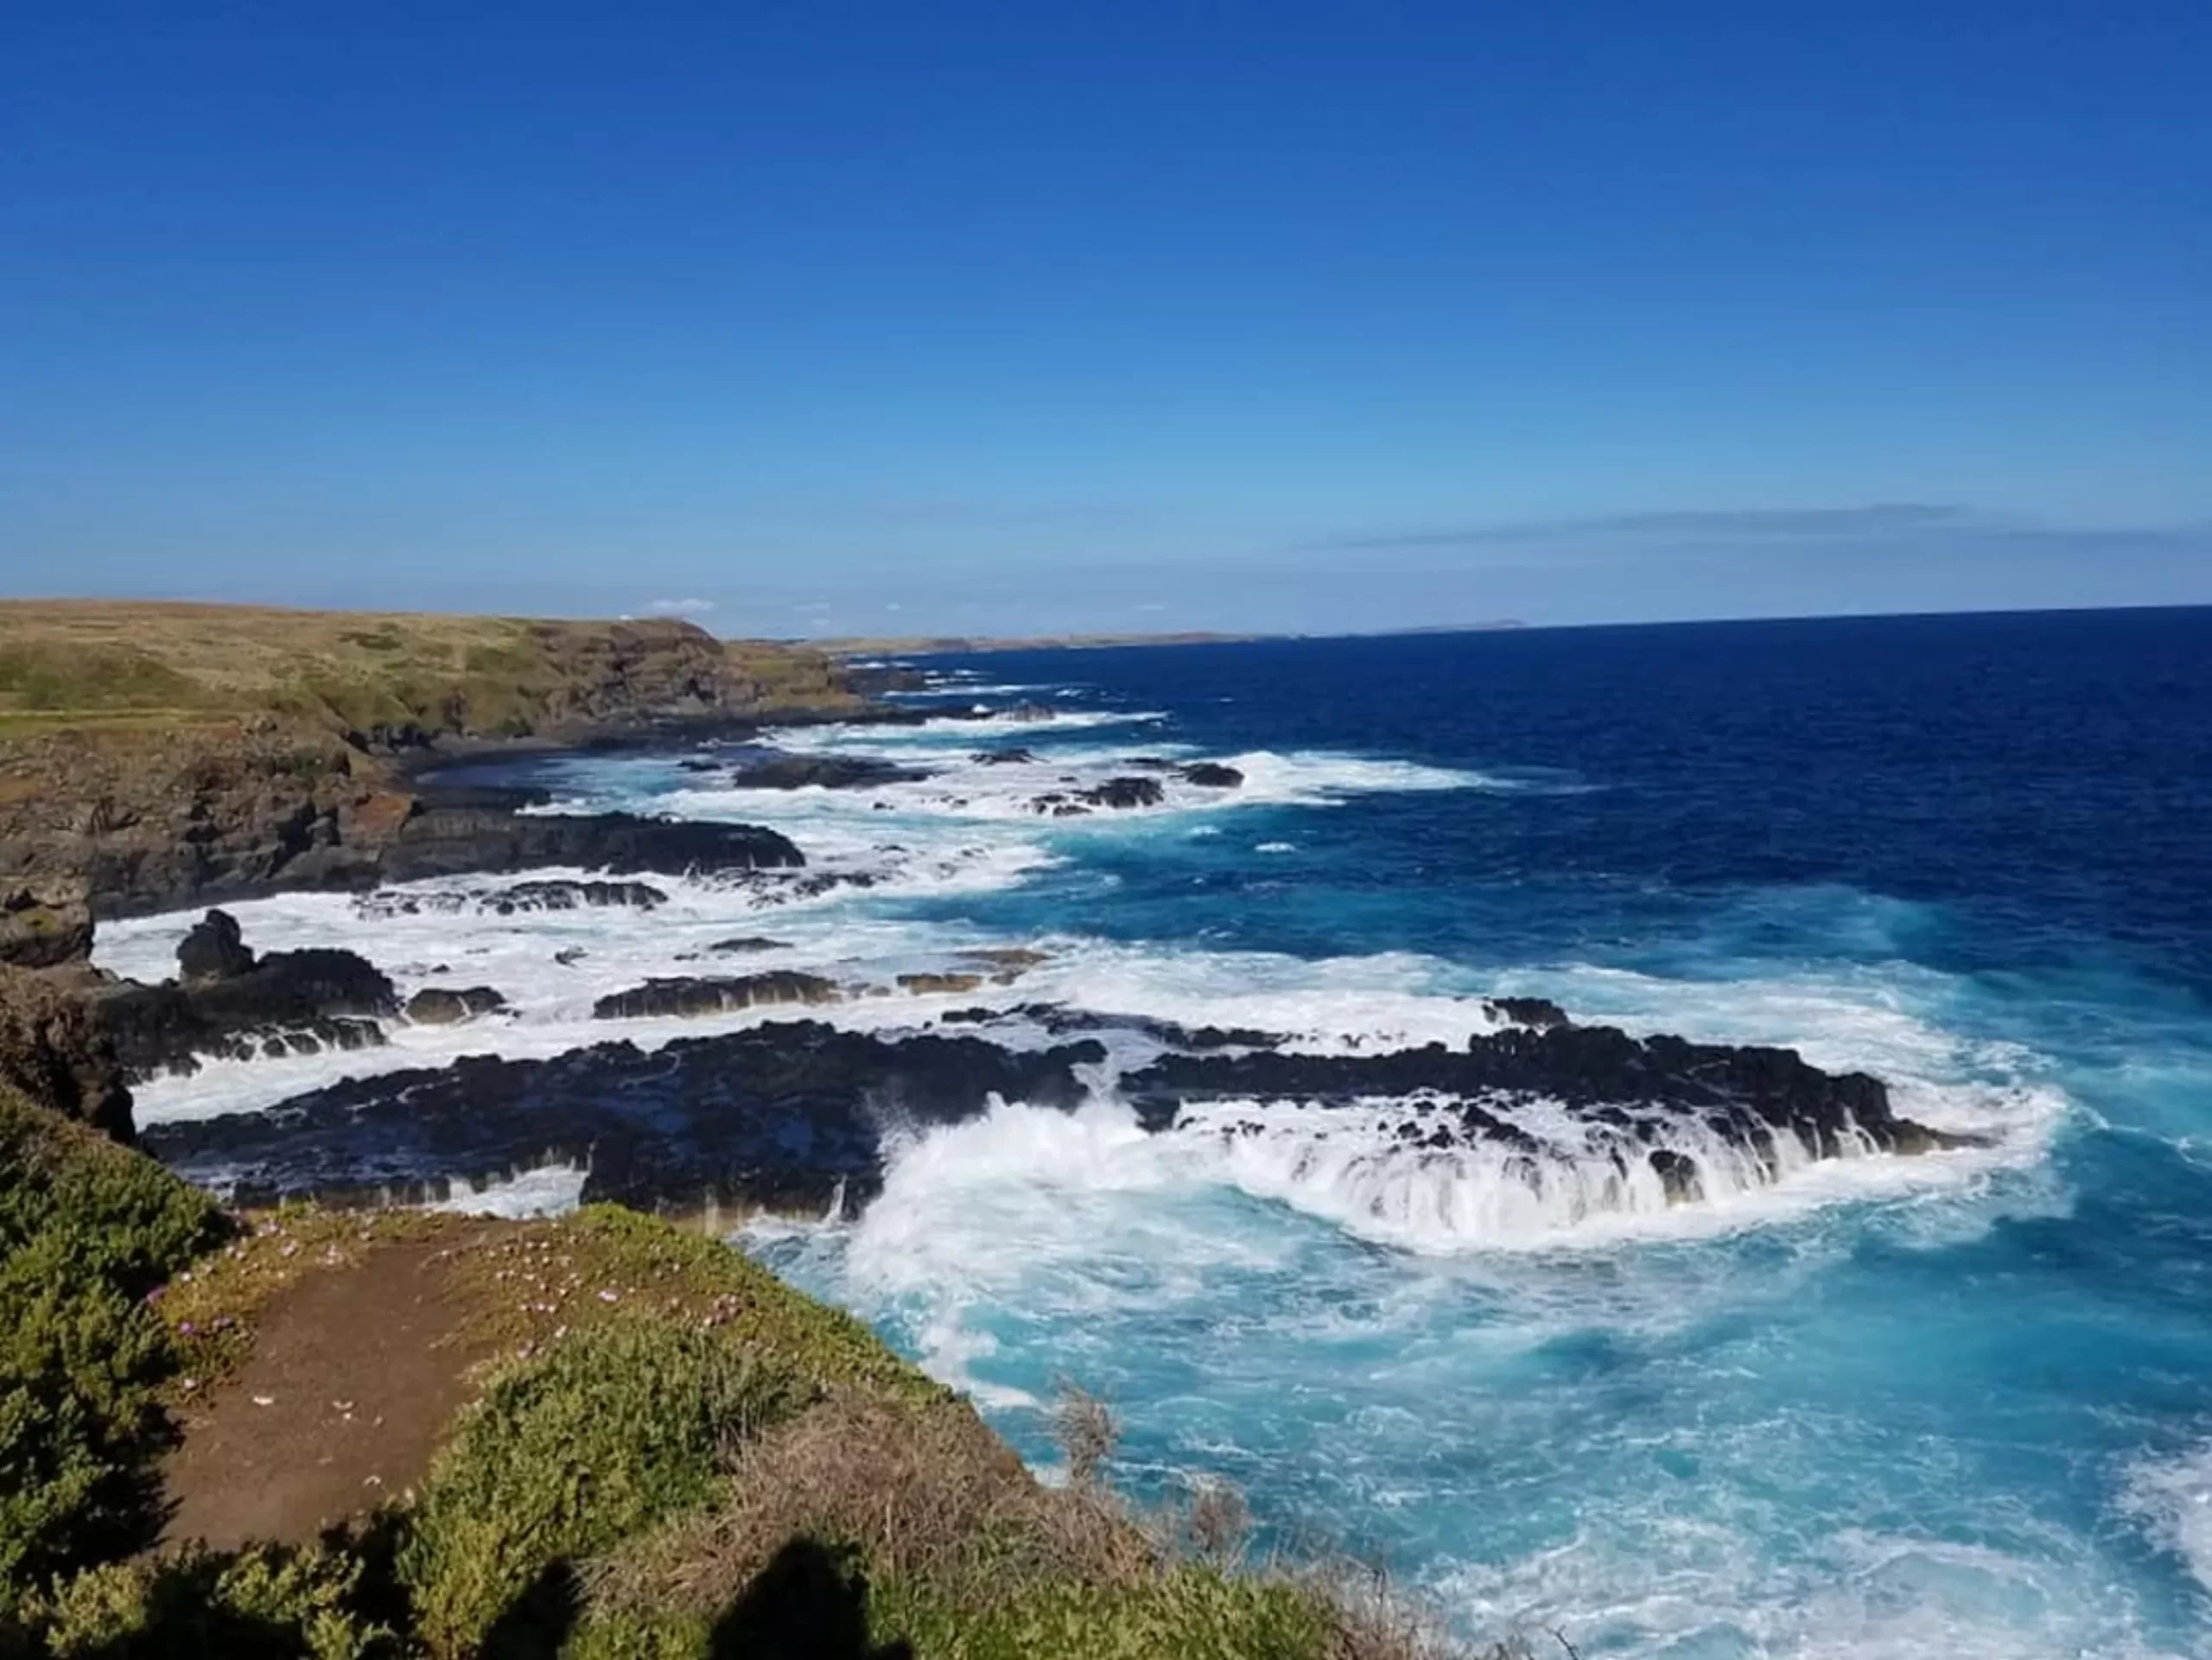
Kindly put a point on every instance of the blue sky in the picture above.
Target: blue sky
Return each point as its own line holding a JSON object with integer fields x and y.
{"x": 834, "y": 317}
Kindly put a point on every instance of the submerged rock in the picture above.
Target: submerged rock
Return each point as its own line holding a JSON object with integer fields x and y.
{"x": 821, "y": 771}
{"x": 1212, "y": 775}
{"x": 692, "y": 996}
{"x": 448, "y": 1006}
{"x": 1007, "y": 957}
{"x": 1119, "y": 794}
{"x": 1122, "y": 793}
{"x": 927, "y": 985}
{"x": 1540, "y": 1012}
{"x": 547, "y": 893}
{"x": 566, "y": 895}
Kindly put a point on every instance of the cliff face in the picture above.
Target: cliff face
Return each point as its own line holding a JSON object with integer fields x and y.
{"x": 154, "y": 756}
{"x": 55, "y": 1050}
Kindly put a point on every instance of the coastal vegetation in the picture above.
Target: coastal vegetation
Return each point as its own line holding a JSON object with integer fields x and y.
{"x": 665, "y": 1453}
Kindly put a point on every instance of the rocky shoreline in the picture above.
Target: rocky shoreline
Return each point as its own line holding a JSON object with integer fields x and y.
{"x": 801, "y": 1115}
{"x": 789, "y": 1114}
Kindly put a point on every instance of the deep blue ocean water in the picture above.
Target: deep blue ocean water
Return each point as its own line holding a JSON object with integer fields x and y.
{"x": 1967, "y": 1416}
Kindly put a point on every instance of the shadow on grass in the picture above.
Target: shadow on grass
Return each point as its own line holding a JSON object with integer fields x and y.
{"x": 536, "y": 1623}
{"x": 810, "y": 1603}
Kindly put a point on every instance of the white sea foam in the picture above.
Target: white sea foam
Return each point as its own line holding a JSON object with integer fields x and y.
{"x": 1361, "y": 1167}
{"x": 953, "y": 728}
{"x": 2171, "y": 1499}
{"x": 549, "y": 1190}
{"x": 1650, "y": 1584}
{"x": 1586, "y": 1186}
{"x": 960, "y": 788}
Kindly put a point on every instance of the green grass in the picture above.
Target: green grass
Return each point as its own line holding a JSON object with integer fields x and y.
{"x": 570, "y": 1453}
{"x": 647, "y": 1262}
{"x": 265, "y": 1604}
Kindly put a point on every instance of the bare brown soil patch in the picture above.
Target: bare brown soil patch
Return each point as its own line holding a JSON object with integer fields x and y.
{"x": 354, "y": 1376}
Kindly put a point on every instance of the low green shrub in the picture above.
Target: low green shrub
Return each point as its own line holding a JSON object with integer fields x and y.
{"x": 694, "y": 1277}
{"x": 87, "y": 1231}
{"x": 1192, "y": 1613}
{"x": 571, "y": 1451}
{"x": 255, "y": 1605}
{"x": 641, "y": 1637}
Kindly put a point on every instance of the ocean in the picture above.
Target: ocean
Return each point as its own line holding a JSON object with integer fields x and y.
{"x": 1954, "y": 1405}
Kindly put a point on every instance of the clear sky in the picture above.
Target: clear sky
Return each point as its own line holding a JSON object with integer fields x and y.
{"x": 823, "y": 317}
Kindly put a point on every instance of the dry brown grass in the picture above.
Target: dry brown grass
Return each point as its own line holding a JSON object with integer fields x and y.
{"x": 928, "y": 1494}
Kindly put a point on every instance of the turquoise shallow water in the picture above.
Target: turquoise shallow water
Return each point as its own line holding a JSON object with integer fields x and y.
{"x": 1958, "y": 1406}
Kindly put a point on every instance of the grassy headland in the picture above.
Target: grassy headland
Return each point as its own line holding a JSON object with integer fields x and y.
{"x": 77, "y": 664}
{"x": 669, "y": 1453}
{"x": 151, "y": 753}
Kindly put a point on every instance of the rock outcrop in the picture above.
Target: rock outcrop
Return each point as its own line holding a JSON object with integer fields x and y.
{"x": 215, "y": 948}
{"x": 239, "y": 1005}
{"x": 783, "y": 1116}
{"x": 931, "y": 985}
{"x": 480, "y": 831}
{"x": 788, "y": 1113}
{"x": 45, "y": 921}
{"x": 56, "y": 1053}
{"x": 691, "y": 997}
{"x": 1639, "y": 1087}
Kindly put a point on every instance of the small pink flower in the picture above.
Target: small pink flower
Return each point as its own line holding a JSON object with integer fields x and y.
{"x": 606, "y": 1296}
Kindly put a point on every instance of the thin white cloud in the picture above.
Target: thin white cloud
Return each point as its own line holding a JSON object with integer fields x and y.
{"x": 678, "y": 607}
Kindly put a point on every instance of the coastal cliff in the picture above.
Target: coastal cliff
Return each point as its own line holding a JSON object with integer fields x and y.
{"x": 154, "y": 756}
